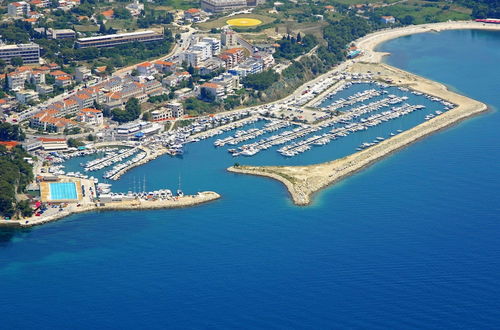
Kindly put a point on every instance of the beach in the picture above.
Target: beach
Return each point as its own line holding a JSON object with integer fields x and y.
{"x": 303, "y": 182}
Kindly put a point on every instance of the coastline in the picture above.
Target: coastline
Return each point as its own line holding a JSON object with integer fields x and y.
{"x": 303, "y": 182}
{"x": 179, "y": 202}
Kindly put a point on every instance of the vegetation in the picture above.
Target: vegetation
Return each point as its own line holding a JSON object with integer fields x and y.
{"x": 15, "y": 175}
{"x": 260, "y": 81}
{"x": 196, "y": 107}
{"x": 131, "y": 112}
{"x": 10, "y": 132}
{"x": 74, "y": 143}
{"x": 483, "y": 8}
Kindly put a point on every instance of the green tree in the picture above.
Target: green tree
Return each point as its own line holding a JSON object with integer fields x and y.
{"x": 16, "y": 61}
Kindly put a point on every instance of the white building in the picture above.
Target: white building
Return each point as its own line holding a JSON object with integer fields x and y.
{"x": 82, "y": 73}
{"x": 175, "y": 108}
{"x": 30, "y": 53}
{"x": 214, "y": 44}
{"x": 91, "y": 116}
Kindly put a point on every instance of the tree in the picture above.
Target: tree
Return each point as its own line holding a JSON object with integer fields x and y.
{"x": 16, "y": 61}
{"x": 146, "y": 116}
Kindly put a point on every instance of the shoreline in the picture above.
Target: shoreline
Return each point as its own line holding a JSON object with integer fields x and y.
{"x": 303, "y": 182}
{"x": 180, "y": 202}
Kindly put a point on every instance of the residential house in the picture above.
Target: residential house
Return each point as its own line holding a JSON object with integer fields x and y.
{"x": 91, "y": 116}
{"x": 209, "y": 89}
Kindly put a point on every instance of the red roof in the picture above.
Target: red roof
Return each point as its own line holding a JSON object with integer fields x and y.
{"x": 9, "y": 144}
{"x": 192, "y": 11}
{"x": 45, "y": 139}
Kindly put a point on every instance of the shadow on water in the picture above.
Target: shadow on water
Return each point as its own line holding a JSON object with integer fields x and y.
{"x": 7, "y": 235}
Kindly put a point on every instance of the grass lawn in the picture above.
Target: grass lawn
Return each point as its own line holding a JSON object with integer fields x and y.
{"x": 425, "y": 11}
{"x": 220, "y": 22}
{"x": 86, "y": 28}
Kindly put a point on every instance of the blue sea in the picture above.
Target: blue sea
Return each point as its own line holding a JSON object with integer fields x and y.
{"x": 411, "y": 242}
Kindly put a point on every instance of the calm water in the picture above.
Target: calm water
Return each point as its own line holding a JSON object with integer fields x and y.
{"x": 411, "y": 242}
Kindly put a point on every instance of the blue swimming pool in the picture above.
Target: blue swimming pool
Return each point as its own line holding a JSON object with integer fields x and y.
{"x": 63, "y": 190}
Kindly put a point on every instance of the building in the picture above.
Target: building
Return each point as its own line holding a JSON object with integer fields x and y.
{"x": 267, "y": 59}
{"x": 388, "y": 19}
{"x": 82, "y": 73}
{"x": 60, "y": 34}
{"x": 18, "y": 9}
{"x": 51, "y": 121}
{"x": 134, "y": 129}
{"x": 218, "y": 6}
{"x": 30, "y": 53}
{"x": 64, "y": 81}
{"x": 192, "y": 14}
{"x": 53, "y": 143}
{"x": 214, "y": 43}
{"x": 146, "y": 69}
{"x": 250, "y": 66}
{"x": 175, "y": 109}
{"x": 44, "y": 89}
{"x": 91, "y": 116}
{"x": 213, "y": 90}
{"x": 229, "y": 38}
{"x": 232, "y": 57}
{"x": 164, "y": 66}
{"x": 26, "y": 96}
{"x": 228, "y": 81}
{"x": 112, "y": 40}
{"x": 162, "y": 114}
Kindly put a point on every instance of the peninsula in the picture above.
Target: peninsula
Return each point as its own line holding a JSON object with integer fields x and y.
{"x": 303, "y": 181}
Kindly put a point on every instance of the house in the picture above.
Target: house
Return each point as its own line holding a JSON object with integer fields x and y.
{"x": 164, "y": 66}
{"x": 146, "y": 69}
{"x": 388, "y": 19}
{"x": 228, "y": 81}
{"x": 108, "y": 14}
{"x": 63, "y": 81}
{"x": 161, "y": 114}
{"x": 82, "y": 73}
{"x": 212, "y": 90}
{"x": 44, "y": 89}
{"x": 330, "y": 8}
{"x": 175, "y": 108}
{"x": 18, "y": 9}
{"x": 16, "y": 80}
{"x": 152, "y": 87}
{"x": 26, "y": 96}
{"x": 83, "y": 100}
{"x": 266, "y": 58}
{"x": 192, "y": 14}
{"x": 70, "y": 107}
{"x": 232, "y": 57}
{"x": 91, "y": 116}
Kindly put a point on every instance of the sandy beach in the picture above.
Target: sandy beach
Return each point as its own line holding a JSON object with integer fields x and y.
{"x": 303, "y": 181}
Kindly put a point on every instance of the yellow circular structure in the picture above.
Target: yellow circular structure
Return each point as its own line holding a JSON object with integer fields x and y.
{"x": 244, "y": 22}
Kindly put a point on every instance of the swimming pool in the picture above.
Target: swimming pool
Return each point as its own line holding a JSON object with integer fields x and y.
{"x": 63, "y": 190}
